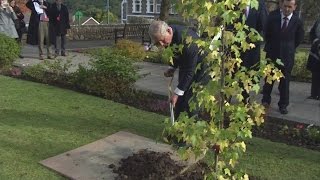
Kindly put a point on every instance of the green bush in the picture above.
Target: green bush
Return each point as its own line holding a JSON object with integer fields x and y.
{"x": 299, "y": 71}
{"x": 111, "y": 75}
{"x": 9, "y": 50}
{"x": 115, "y": 65}
{"x": 130, "y": 49}
{"x": 51, "y": 72}
{"x": 177, "y": 22}
{"x": 155, "y": 57}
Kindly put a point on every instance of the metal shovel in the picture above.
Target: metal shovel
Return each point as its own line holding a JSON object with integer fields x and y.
{"x": 171, "y": 105}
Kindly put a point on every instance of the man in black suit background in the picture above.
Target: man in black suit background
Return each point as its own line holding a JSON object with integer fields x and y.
{"x": 256, "y": 19}
{"x": 314, "y": 60}
{"x": 59, "y": 17}
{"x": 284, "y": 32}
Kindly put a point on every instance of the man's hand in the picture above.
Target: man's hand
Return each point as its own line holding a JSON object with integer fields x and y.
{"x": 43, "y": 6}
{"x": 10, "y": 9}
{"x": 174, "y": 99}
{"x": 169, "y": 73}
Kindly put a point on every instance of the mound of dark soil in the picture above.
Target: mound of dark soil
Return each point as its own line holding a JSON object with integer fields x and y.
{"x": 150, "y": 165}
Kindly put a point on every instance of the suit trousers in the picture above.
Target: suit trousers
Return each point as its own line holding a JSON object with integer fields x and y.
{"x": 60, "y": 44}
{"x": 283, "y": 89}
{"x": 44, "y": 37}
{"x": 182, "y": 104}
{"x": 315, "y": 84}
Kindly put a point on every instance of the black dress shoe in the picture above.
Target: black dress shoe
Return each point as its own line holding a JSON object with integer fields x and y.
{"x": 283, "y": 110}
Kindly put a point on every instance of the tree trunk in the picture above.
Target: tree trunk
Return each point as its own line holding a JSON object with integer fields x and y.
{"x": 164, "y": 10}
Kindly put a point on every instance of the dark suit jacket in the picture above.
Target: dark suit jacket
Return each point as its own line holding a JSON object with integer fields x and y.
{"x": 59, "y": 19}
{"x": 32, "y": 37}
{"x": 315, "y": 31}
{"x": 256, "y": 19}
{"x": 313, "y": 63}
{"x": 188, "y": 59}
{"x": 282, "y": 45}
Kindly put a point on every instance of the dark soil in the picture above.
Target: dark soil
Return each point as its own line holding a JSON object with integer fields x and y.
{"x": 147, "y": 165}
{"x": 150, "y": 165}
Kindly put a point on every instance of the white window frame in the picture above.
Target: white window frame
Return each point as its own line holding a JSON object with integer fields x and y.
{"x": 149, "y": 4}
{"x": 172, "y": 9}
{"x": 158, "y": 4}
{"x": 135, "y": 4}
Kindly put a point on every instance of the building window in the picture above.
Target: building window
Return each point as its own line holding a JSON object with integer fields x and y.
{"x": 172, "y": 9}
{"x": 158, "y": 6}
{"x": 150, "y": 6}
{"x": 136, "y": 6}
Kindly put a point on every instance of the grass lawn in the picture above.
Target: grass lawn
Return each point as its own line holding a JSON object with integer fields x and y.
{"x": 39, "y": 121}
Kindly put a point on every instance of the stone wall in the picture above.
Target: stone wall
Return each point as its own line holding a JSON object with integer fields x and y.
{"x": 92, "y": 32}
{"x": 103, "y": 32}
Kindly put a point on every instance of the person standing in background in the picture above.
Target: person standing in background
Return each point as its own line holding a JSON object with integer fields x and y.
{"x": 59, "y": 18}
{"x": 21, "y": 24}
{"x": 38, "y": 31}
{"x": 313, "y": 64}
{"x": 256, "y": 19}
{"x": 284, "y": 32}
{"x": 7, "y": 17}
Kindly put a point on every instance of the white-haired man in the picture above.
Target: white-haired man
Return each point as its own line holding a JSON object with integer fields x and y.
{"x": 187, "y": 61}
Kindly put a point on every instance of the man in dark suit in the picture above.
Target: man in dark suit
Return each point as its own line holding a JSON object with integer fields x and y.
{"x": 284, "y": 32}
{"x": 314, "y": 60}
{"x": 186, "y": 61}
{"x": 256, "y": 19}
{"x": 59, "y": 18}
{"x": 38, "y": 30}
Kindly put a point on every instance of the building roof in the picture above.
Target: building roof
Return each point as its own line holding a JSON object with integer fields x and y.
{"x": 90, "y": 21}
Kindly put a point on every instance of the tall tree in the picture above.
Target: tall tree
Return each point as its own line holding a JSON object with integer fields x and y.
{"x": 164, "y": 10}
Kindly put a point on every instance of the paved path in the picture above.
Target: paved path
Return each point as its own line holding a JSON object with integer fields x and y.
{"x": 300, "y": 109}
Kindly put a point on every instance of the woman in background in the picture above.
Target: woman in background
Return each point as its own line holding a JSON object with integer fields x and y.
{"x": 21, "y": 28}
{"x": 7, "y": 17}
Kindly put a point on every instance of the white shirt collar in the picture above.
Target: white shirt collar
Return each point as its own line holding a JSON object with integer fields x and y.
{"x": 289, "y": 17}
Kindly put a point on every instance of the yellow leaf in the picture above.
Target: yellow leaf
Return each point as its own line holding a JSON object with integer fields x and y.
{"x": 188, "y": 39}
{"x": 212, "y": 98}
{"x": 252, "y": 45}
{"x": 208, "y": 5}
{"x": 243, "y": 146}
{"x": 245, "y": 177}
{"x": 232, "y": 163}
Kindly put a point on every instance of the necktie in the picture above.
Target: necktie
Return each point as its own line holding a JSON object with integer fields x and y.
{"x": 284, "y": 24}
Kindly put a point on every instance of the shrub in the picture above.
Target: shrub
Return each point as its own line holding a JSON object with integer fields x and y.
{"x": 114, "y": 64}
{"x": 177, "y": 22}
{"x": 300, "y": 72}
{"x": 111, "y": 75}
{"x": 9, "y": 50}
{"x": 130, "y": 49}
{"x": 51, "y": 72}
{"x": 155, "y": 57}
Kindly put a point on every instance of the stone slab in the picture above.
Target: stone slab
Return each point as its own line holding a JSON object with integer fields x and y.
{"x": 91, "y": 161}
